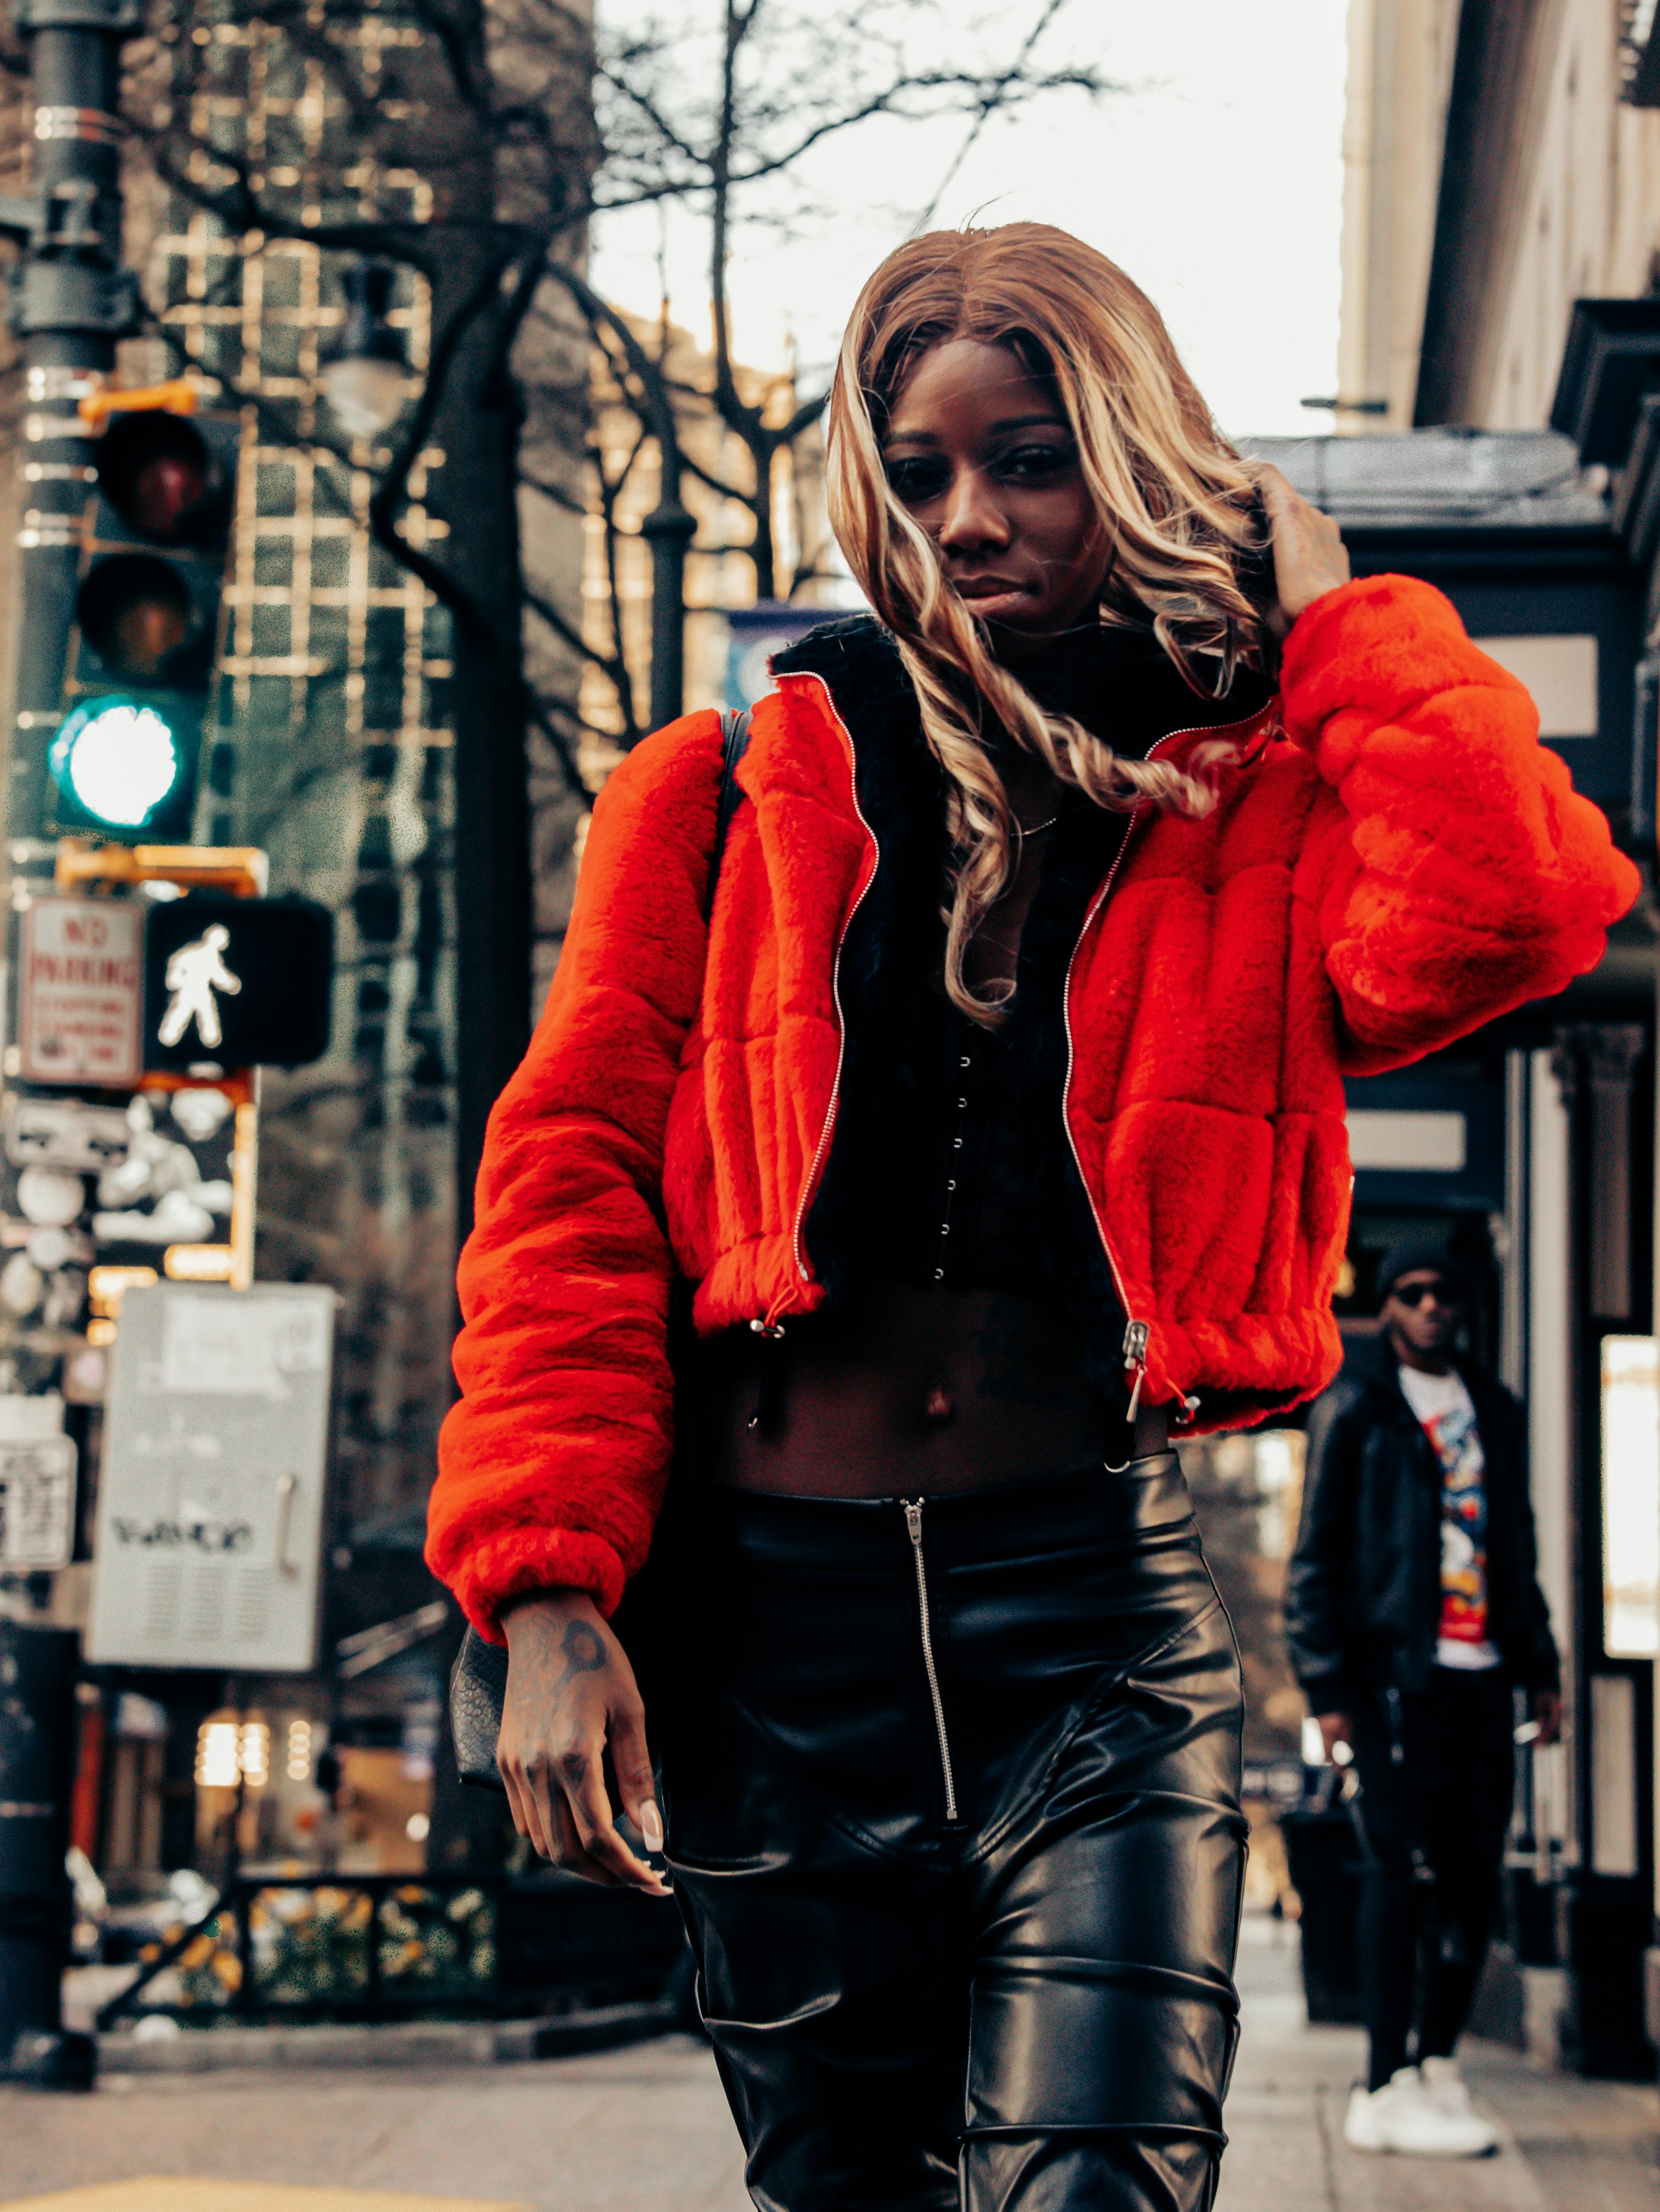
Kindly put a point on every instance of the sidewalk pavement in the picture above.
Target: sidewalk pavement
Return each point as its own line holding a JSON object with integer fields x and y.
{"x": 1568, "y": 2145}
{"x": 646, "y": 2130}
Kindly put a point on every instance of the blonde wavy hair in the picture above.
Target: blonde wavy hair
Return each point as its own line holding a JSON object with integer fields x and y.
{"x": 1173, "y": 499}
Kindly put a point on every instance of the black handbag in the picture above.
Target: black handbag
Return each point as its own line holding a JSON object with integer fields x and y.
{"x": 478, "y": 1680}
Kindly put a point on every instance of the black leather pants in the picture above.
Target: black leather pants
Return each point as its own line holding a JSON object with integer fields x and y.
{"x": 953, "y": 1813}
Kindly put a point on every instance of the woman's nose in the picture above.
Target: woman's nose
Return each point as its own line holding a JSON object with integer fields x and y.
{"x": 972, "y": 518}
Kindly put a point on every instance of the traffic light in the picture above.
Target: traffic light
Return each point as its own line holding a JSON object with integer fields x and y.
{"x": 125, "y": 759}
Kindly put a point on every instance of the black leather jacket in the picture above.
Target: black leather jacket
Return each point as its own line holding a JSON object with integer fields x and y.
{"x": 1363, "y": 1593}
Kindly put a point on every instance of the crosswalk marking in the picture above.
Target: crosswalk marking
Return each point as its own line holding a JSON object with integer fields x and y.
{"x": 172, "y": 2193}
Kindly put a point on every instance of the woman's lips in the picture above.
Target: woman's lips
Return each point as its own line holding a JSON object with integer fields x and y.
{"x": 993, "y": 599}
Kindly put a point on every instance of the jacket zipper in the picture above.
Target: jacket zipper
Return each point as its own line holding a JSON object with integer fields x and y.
{"x": 1135, "y": 1332}
{"x": 913, "y": 1528}
{"x": 799, "y": 1228}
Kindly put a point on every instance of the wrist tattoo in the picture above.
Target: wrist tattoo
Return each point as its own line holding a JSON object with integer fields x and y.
{"x": 580, "y": 1650}
{"x": 584, "y": 1649}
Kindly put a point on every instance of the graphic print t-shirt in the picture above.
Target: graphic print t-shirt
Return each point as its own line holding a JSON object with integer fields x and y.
{"x": 1444, "y": 1406}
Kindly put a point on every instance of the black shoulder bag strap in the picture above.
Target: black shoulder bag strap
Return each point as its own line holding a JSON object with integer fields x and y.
{"x": 735, "y": 737}
{"x": 478, "y": 1680}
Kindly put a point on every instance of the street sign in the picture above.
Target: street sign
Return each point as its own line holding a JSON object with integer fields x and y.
{"x": 231, "y": 983}
{"x": 37, "y": 1483}
{"x": 80, "y": 991}
{"x": 754, "y": 634}
{"x": 210, "y": 1496}
{"x": 64, "y": 1133}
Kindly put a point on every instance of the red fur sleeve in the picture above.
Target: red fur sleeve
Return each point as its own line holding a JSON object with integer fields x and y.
{"x": 1464, "y": 875}
{"x": 551, "y": 1466}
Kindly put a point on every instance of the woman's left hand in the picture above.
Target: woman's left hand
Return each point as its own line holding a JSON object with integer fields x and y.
{"x": 1310, "y": 557}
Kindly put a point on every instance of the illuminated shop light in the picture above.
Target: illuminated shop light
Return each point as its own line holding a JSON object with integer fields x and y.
{"x": 217, "y": 1766}
{"x": 229, "y": 1751}
{"x": 1630, "y": 1497}
{"x": 255, "y": 1753}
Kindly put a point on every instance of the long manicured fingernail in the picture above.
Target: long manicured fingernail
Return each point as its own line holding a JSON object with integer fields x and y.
{"x": 651, "y": 1825}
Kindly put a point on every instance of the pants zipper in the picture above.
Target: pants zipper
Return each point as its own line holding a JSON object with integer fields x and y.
{"x": 913, "y": 1528}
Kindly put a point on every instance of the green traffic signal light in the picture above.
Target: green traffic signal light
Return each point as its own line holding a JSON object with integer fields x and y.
{"x": 125, "y": 767}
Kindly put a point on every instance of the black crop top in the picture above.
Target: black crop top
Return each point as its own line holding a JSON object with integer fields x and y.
{"x": 956, "y": 1175}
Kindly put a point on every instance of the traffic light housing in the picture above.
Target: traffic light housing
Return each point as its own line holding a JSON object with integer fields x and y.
{"x": 126, "y": 754}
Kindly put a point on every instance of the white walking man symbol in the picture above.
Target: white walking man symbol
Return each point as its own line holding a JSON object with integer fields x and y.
{"x": 194, "y": 973}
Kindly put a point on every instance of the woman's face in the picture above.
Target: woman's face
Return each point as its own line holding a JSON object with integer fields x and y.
{"x": 983, "y": 456}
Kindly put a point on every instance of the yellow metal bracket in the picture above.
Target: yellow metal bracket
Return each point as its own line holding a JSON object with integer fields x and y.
{"x": 179, "y": 396}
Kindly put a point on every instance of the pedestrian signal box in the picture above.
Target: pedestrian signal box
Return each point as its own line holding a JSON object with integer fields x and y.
{"x": 235, "y": 982}
{"x": 141, "y": 651}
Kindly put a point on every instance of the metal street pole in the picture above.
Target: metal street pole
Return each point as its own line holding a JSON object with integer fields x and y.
{"x": 69, "y": 299}
{"x": 668, "y": 529}
{"x": 38, "y": 1737}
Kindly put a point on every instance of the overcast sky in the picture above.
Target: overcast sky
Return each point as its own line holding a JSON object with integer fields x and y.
{"x": 1215, "y": 179}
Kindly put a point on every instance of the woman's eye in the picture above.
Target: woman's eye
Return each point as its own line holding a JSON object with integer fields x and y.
{"x": 916, "y": 483}
{"x": 1035, "y": 460}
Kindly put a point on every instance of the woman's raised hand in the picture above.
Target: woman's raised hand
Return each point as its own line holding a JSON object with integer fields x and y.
{"x": 571, "y": 1705}
{"x": 1310, "y": 557}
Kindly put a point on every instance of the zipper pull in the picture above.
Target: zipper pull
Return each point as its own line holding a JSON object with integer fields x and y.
{"x": 914, "y": 1519}
{"x": 1135, "y": 1358}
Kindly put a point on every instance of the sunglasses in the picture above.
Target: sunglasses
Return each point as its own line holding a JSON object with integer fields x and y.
{"x": 1413, "y": 1294}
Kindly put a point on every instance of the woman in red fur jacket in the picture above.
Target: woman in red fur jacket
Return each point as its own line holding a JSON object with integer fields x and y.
{"x": 992, "y": 1120}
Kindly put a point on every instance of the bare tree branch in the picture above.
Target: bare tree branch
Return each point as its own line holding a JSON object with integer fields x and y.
{"x": 706, "y": 111}
{"x": 987, "y": 108}
{"x": 784, "y": 81}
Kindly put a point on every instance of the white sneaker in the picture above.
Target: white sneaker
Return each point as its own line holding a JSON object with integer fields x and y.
{"x": 1443, "y": 2089}
{"x": 1406, "y": 2117}
{"x": 1362, "y": 2123}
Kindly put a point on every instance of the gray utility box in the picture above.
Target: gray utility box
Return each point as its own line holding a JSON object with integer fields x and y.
{"x": 211, "y": 1498}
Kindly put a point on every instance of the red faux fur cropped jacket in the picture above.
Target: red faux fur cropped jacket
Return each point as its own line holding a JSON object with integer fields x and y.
{"x": 1393, "y": 861}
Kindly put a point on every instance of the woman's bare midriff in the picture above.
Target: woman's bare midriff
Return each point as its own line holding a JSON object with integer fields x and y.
{"x": 902, "y": 1390}
{"x": 899, "y": 1389}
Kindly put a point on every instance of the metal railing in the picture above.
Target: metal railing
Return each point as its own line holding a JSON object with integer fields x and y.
{"x": 341, "y": 1947}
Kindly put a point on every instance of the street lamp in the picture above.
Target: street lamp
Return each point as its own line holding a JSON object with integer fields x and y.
{"x": 668, "y": 529}
{"x": 364, "y": 372}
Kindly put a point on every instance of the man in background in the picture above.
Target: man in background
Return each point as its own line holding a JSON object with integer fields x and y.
{"x": 1413, "y": 1612}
